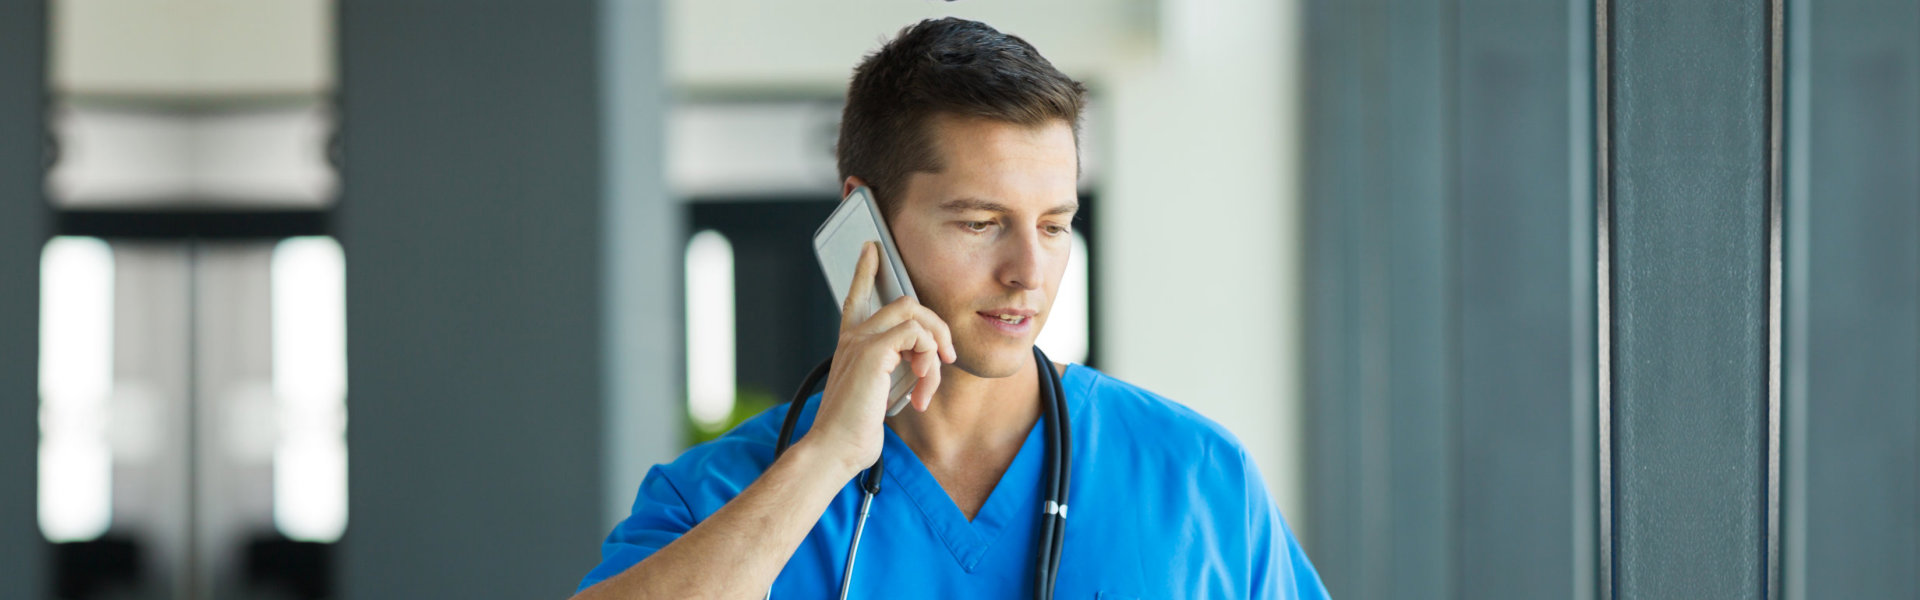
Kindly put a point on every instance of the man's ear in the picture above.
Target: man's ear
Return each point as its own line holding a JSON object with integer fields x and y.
{"x": 853, "y": 181}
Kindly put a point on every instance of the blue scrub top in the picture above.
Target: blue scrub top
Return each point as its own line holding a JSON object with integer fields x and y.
{"x": 1164, "y": 504}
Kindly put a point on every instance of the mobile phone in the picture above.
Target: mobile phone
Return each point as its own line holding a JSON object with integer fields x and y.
{"x": 837, "y": 244}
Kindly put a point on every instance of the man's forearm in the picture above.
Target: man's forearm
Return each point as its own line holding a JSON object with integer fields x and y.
{"x": 737, "y": 552}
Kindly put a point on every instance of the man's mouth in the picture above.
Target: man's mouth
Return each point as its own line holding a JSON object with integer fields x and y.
{"x": 1011, "y": 321}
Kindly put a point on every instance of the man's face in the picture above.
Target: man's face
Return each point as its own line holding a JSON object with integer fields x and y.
{"x": 986, "y": 240}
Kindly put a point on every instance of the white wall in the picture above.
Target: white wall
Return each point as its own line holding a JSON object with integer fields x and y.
{"x": 192, "y": 48}
{"x": 1200, "y": 238}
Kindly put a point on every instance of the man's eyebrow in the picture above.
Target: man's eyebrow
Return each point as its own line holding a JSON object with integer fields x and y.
{"x": 976, "y": 204}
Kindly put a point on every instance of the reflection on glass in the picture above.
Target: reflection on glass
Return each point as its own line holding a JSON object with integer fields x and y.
{"x": 310, "y": 384}
{"x": 710, "y": 350}
{"x": 76, "y": 376}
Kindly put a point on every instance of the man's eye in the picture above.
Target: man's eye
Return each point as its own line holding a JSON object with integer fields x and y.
{"x": 978, "y": 226}
{"x": 1056, "y": 230}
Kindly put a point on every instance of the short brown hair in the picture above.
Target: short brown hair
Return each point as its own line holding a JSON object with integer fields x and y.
{"x": 943, "y": 66}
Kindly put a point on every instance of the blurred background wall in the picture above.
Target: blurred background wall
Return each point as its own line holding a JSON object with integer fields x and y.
{"x": 355, "y": 299}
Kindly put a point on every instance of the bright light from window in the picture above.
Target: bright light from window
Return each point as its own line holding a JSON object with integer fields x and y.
{"x": 76, "y": 375}
{"x": 1065, "y": 337}
{"x": 310, "y": 385}
{"x": 710, "y": 351}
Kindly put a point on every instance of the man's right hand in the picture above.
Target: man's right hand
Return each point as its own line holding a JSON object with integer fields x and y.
{"x": 853, "y": 409}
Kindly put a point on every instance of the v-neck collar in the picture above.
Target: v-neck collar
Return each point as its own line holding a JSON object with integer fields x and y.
{"x": 1015, "y": 499}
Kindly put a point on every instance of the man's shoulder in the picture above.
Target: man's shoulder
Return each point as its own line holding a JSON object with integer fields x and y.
{"x": 721, "y": 467}
{"x": 1125, "y": 408}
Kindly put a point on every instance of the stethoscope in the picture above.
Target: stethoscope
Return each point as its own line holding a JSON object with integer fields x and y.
{"x": 1059, "y": 469}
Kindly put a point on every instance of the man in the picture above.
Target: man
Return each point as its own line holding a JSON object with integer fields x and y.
{"x": 967, "y": 138}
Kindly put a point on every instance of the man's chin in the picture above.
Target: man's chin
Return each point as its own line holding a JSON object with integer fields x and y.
{"x": 996, "y": 363}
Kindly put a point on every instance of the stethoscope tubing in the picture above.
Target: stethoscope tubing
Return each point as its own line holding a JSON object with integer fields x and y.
{"x": 1064, "y": 464}
{"x": 1056, "y": 479}
{"x": 853, "y": 549}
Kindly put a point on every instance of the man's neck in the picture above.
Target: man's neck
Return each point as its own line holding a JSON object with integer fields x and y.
{"x": 971, "y": 416}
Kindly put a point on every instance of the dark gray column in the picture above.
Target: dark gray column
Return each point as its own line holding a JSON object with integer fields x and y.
{"x": 1419, "y": 335}
{"x": 1350, "y": 534}
{"x": 1854, "y": 300}
{"x": 23, "y": 230}
{"x": 1446, "y": 194}
{"x": 1685, "y": 227}
{"x": 22, "y": 233}
{"x": 1524, "y": 312}
{"x": 471, "y": 222}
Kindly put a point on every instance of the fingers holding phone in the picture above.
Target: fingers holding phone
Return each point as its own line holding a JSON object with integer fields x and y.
{"x": 871, "y": 348}
{"x": 926, "y": 359}
{"x": 930, "y": 350}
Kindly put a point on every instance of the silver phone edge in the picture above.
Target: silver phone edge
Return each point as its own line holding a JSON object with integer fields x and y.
{"x": 894, "y": 263}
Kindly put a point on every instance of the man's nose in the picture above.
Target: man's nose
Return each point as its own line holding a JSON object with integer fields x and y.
{"x": 1020, "y": 261}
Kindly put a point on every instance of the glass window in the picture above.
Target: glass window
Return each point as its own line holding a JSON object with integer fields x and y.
{"x": 310, "y": 389}
{"x": 710, "y": 331}
{"x": 76, "y": 378}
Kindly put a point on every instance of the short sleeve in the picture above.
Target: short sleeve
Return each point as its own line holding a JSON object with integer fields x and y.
{"x": 660, "y": 515}
{"x": 1280, "y": 569}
